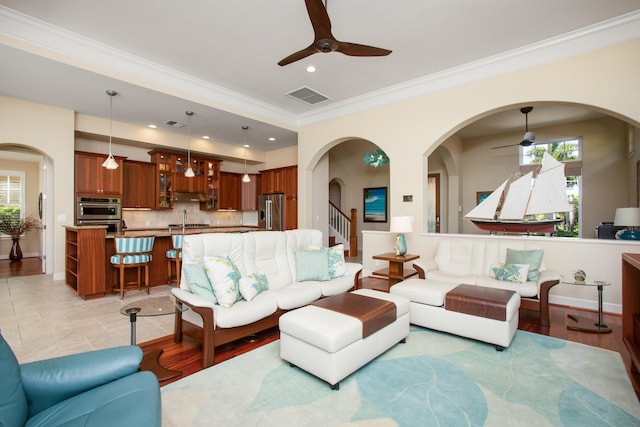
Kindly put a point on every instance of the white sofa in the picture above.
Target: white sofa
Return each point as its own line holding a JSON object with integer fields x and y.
{"x": 469, "y": 261}
{"x": 272, "y": 253}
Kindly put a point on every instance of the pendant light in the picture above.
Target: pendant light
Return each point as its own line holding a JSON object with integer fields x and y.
{"x": 110, "y": 162}
{"x": 189, "y": 171}
{"x": 245, "y": 177}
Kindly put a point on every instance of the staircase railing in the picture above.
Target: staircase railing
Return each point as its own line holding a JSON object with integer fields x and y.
{"x": 343, "y": 227}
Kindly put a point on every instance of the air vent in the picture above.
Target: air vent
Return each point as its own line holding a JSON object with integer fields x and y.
{"x": 307, "y": 95}
{"x": 175, "y": 124}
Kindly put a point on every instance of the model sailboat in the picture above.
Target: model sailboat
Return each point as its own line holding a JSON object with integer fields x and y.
{"x": 511, "y": 206}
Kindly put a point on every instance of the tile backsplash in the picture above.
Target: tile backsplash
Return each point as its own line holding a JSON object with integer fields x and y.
{"x": 163, "y": 217}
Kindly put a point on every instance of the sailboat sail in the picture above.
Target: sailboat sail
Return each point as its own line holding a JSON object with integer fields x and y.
{"x": 550, "y": 194}
{"x": 515, "y": 203}
{"x": 487, "y": 208}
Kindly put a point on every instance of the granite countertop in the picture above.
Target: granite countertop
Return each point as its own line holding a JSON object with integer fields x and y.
{"x": 166, "y": 231}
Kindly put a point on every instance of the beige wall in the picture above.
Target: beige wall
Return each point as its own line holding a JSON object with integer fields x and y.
{"x": 408, "y": 130}
{"x": 48, "y": 131}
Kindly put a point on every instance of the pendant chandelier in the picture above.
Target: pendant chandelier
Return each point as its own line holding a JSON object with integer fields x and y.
{"x": 245, "y": 177}
{"x": 189, "y": 171}
{"x": 376, "y": 159}
{"x": 110, "y": 162}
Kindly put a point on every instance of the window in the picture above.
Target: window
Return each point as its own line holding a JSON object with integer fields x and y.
{"x": 12, "y": 189}
{"x": 564, "y": 150}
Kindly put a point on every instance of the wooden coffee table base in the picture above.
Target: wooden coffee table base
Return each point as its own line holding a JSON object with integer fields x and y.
{"x": 151, "y": 362}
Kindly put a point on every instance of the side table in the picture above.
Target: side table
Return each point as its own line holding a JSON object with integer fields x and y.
{"x": 396, "y": 271}
{"x": 153, "y": 306}
{"x": 579, "y": 323}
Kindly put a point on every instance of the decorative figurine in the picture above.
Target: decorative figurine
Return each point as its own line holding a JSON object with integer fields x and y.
{"x": 579, "y": 276}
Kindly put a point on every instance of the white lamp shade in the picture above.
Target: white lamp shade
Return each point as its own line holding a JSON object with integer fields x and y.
{"x": 401, "y": 224}
{"x": 189, "y": 172}
{"x": 110, "y": 163}
{"x": 627, "y": 217}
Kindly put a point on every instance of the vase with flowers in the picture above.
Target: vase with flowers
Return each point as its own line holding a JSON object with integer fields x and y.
{"x": 16, "y": 227}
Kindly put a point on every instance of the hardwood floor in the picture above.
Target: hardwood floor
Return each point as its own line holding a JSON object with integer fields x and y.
{"x": 24, "y": 267}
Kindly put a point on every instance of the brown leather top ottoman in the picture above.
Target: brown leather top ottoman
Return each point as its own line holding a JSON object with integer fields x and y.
{"x": 479, "y": 301}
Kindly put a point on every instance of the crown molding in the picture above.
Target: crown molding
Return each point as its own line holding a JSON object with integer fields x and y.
{"x": 58, "y": 44}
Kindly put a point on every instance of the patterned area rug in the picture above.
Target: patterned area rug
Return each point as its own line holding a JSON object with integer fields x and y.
{"x": 435, "y": 379}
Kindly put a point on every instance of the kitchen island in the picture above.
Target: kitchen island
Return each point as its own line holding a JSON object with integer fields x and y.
{"x": 101, "y": 246}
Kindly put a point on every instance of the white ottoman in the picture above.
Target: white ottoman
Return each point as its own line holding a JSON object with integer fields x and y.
{"x": 329, "y": 344}
{"x": 429, "y": 310}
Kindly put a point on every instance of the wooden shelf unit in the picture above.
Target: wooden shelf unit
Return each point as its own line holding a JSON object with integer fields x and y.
{"x": 85, "y": 271}
{"x": 631, "y": 313}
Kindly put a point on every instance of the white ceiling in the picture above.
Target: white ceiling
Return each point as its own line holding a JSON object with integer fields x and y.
{"x": 219, "y": 58}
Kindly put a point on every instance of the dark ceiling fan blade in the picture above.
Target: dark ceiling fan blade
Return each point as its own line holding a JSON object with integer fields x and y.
{"x": 301, "y": 54}
{"x": 505, "y": 146}
{"x": 353, "y": 49}
{"x": 319, "y": 19}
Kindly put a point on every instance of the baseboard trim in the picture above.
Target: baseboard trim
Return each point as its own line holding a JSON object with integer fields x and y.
{"x": 586, "y": 304}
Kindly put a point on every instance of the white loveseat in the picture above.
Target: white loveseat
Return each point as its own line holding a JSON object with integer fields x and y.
{"x": 272, "y": 253}
{"x": 470, "y": 261}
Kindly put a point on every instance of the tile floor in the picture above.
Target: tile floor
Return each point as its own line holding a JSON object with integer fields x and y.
{"x": 42, "y": 318}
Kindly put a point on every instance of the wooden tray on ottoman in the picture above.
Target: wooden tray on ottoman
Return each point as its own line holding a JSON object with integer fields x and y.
{"x": 479, "y": 301}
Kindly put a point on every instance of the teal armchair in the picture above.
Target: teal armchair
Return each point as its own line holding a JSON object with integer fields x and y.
{"x": 97, "y": 388}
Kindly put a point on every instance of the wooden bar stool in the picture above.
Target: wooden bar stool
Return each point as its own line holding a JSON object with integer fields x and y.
{"x": 131, "y": 252}
{"x": 174, "y": 257}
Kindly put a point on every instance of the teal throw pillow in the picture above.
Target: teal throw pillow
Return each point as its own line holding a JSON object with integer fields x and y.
{"x": 196, "y": 278}
{"x": 337, "y": 266}
{"x": 224, "y": 277}
{"x": 516, "y": 273}
{"x": 312, "y": 265}
{"x": 532, "y": 257}
{"x": 253, "y": 284}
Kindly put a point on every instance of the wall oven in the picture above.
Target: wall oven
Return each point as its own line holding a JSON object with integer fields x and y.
{"x": 95, "y": 208}
{"x": 100, "y": 211}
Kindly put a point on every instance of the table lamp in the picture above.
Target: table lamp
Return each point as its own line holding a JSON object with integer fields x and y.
{"x": 628, "y": 217}
{"x": 401, "y": 225}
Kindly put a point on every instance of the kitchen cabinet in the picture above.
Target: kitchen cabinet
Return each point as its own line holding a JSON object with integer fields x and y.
{"x": 283, "y": 180}
{"x": 195, "y": 184}
{"x": 212, "y": 185}
{"x": 230, "y": 191}
{"x": 163, "y": 180}
{"x": 85, "y": 269}
{"x": 250, "y": 194}
{"x": 91, "y": 179}
{"x": 139, "y": 184}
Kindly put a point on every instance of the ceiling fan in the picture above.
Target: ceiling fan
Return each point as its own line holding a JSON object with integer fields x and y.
{"x": 325, "y": 42}
{"x": 529, "y": 137}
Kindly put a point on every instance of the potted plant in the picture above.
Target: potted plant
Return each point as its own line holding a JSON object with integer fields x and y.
{"x": 16, "y": 227}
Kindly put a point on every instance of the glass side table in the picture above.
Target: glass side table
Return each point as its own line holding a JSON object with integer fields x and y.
{"x": 578, "y": 323}
{"x": 148, "y": 307}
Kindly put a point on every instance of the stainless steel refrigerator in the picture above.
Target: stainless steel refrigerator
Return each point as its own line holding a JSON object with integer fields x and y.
{"x": 271, "y": 211}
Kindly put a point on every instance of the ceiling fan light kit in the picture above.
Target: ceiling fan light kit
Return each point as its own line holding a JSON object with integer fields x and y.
{"x": 325, "y": 42}
{"x": 529, "y": 137}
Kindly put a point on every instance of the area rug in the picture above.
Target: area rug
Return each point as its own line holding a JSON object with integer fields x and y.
{"x": 435, "y": 379}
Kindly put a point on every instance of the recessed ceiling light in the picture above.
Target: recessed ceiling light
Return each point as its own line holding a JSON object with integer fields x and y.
{"x": 246, "y": 145}
{"x": 205, "y": 137}
{"x": 311, "y": 69}
{"x": 152, "y": 126}
{"x": 272, "y": 139}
